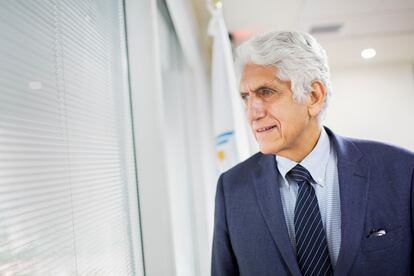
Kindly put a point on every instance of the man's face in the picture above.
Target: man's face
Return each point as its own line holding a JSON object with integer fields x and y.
{"x": 279, "y": 124}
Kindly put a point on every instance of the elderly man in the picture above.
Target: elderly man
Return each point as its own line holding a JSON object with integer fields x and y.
{"x": 311, "y": 202}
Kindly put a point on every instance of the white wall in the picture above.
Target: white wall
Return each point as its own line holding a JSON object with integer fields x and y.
{"x": 374, "y": 102}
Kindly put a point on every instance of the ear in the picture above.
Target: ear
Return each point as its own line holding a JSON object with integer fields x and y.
{"x": 316, "y": 98}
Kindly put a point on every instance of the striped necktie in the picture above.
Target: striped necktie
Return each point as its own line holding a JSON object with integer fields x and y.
{"x": 311, "y": 245}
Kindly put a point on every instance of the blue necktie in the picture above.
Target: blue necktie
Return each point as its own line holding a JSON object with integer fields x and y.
{"x": 311, "y": 245}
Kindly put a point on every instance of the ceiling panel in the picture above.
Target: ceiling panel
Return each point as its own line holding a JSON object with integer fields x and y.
{"x": 332, "y": 8}
{"x": 387, "y": 26}
{"x": 260, "y": 15}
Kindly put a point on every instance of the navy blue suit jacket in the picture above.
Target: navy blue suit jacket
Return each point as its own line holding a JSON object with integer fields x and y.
{"x": 376, "y": 192}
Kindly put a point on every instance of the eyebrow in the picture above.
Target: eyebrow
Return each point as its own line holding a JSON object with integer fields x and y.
{"x": 261, "y": 86}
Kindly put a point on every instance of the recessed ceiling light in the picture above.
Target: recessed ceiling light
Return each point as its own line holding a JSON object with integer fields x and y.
{"x": 368, "y": 53}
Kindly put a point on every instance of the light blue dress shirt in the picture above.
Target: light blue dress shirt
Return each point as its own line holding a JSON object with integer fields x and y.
{"x": 321, "y": 163}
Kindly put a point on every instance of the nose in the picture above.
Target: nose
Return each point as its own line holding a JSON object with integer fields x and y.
{"x": 255, "y": 108}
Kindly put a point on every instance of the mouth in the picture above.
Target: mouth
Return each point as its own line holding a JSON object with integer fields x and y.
{"x": 265, "y": 129}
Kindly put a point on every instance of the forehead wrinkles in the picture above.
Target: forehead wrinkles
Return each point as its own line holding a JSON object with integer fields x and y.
{"x": 254, "y": 85}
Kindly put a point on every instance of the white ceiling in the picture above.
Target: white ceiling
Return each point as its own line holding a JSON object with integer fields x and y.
{"x": 387, "y": 26}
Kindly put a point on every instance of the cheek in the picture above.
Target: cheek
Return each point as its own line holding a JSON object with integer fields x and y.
{"x": 249, "y": 119}
{"x": 249, "y": 116}
{"x": 289, "y": 120}
{"x": 296, "y": 122}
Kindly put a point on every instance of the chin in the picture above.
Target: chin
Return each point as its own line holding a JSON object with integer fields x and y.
{"x": 268, "y": 150}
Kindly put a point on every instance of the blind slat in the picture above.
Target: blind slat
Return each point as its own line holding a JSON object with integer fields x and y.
{"x": 65, "y": 139}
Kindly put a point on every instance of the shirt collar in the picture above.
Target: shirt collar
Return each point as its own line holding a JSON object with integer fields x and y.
{"x": 315, "y": 162}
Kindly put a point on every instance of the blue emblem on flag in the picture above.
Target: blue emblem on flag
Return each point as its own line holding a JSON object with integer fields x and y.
{"x": 224, "y": 137}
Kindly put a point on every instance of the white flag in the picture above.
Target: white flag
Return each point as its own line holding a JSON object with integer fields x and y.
{"x": 232, "y": 145}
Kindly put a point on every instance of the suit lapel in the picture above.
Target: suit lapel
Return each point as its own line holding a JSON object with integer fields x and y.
{"x": 266, "y": 183}
{"x": 353, "y": 177}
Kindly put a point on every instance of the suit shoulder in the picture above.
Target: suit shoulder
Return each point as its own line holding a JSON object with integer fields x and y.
{"x": 243, "y": 167}
{"x": 385, "y": 151}
{"x": 374, "y": 148}
{"x": 238, "y": 179}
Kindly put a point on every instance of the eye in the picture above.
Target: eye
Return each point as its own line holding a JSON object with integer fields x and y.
{"x": 244, "y": 96}
{"x": 266, "y": 92}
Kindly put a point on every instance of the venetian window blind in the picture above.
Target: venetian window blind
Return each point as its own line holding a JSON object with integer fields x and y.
{"x": 67, "y": 172}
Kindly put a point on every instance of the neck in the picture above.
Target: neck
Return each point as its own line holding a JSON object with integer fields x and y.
{"x": 305, "y": 144}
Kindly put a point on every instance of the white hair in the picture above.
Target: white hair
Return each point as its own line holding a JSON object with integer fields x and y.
{"x": 297, "y": 56}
